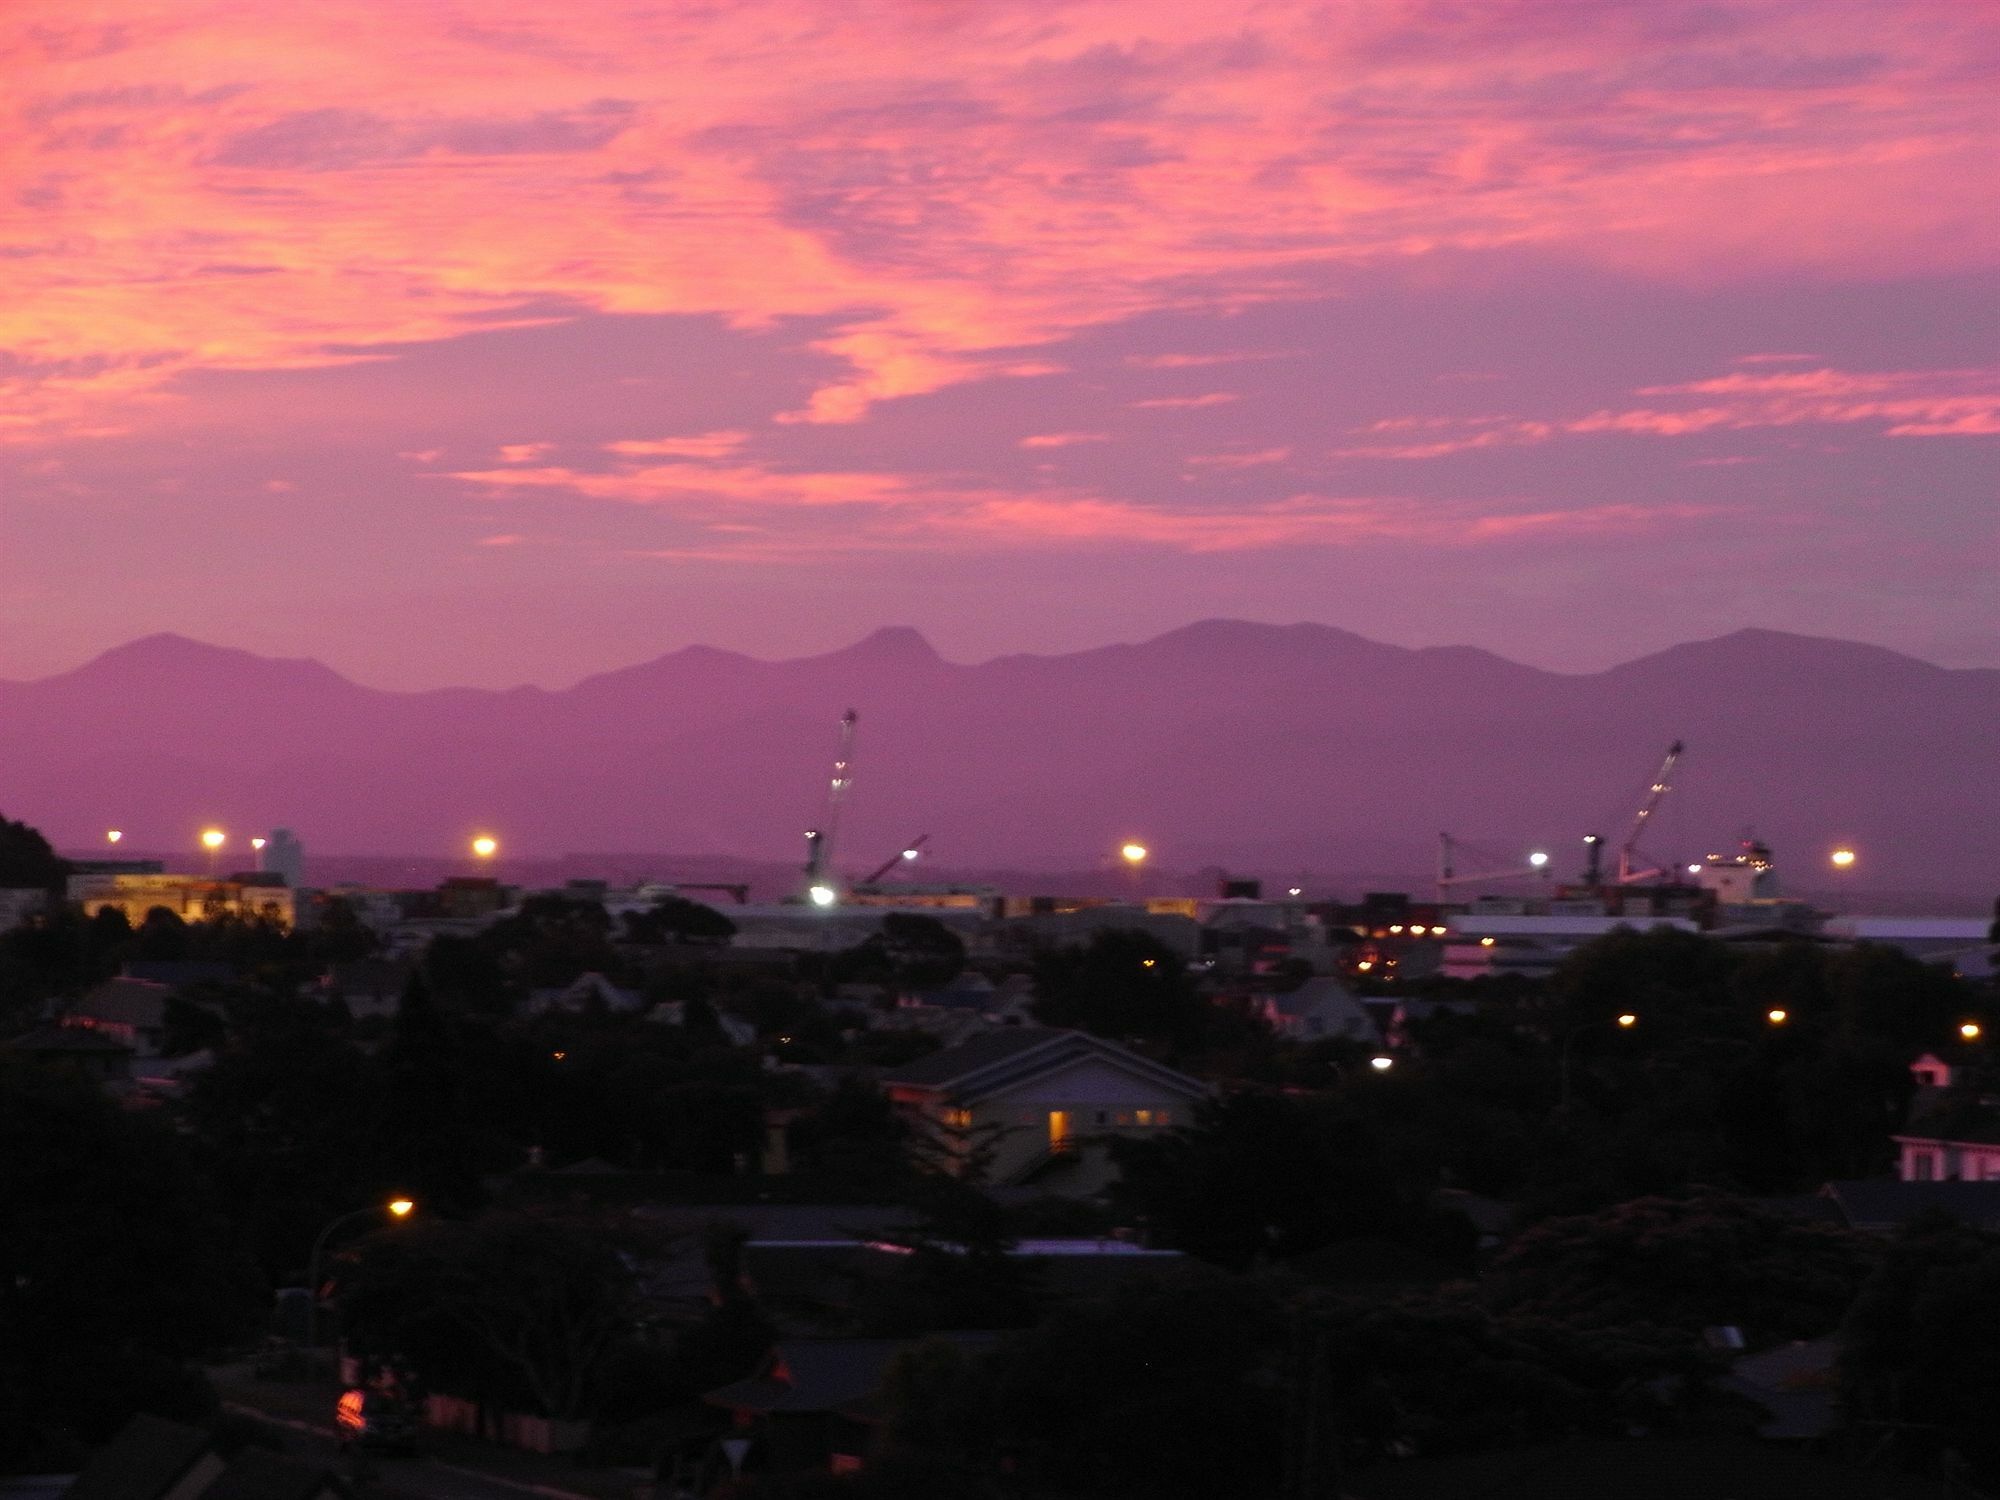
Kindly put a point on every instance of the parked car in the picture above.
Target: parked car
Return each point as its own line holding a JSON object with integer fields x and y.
{"x": 376, "y": 1420}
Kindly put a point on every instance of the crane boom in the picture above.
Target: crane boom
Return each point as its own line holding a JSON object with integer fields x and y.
{"x": 1662, "y": 784}
{"x": 909, "y": 851}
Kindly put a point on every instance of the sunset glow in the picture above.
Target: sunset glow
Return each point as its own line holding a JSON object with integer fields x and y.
{"x": 369, "y": 331}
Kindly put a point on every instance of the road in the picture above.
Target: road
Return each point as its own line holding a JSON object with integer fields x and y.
{"x": 377, "y": 1476}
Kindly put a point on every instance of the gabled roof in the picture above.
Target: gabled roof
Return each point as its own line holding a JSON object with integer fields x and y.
{"x": 125, "y": 1002}
{"x": 148, "y": 1457}
{"x": 1010, "y": 1055}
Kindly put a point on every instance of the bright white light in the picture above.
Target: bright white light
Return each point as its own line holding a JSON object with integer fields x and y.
{"x": 1381, "y": 1064}
{"x": 822, "y": 895}
{"x": 1132, "y": 853}
{"x": 1538, "y": 859}
{"x": 258, "y": 843}
{"x": 114, "y": 836}
{"x": 1297, "y": 891}
{"x": 213, "y": 838}
{"x": 910, "y": 853}
{"x": 485, "y": 846}
{"x": 1694, "y": 869}
{"x": 1843, "y": 858}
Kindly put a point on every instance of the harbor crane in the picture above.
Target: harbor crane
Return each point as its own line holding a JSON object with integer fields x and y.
{"x": 1629, "y": 872}
{"x": 1536, "y": 863}
{"x": 820, "y": 887}
{"x": 909, "y": 851}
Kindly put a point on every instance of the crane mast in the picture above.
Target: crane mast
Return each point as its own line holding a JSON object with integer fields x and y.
{"x": 819, "y": 841}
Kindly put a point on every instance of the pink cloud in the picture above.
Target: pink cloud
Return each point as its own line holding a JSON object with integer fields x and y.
{"x": 701, "y": 445}
{"x": 1168, "y": 403}
{"x": 1904, "y": 403}
{"x": 1060, "y": 439}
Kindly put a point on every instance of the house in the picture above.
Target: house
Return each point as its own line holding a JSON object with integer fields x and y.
{"x": 367, "y": 986}
{"x": 1320, "y": 1010}
{"x": 100, "y": 1058}
{"x": 1952, "y": 1132}
{"x": 816, "y": 1402}
{"x": 1035, "y": 1096}
{"x": 585, "y": 992}
{"x": 130, "y": 1011}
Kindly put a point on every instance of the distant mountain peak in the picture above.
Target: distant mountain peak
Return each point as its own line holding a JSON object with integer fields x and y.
{"x": 167, "y": 653}
{"x": 896, "y": 643}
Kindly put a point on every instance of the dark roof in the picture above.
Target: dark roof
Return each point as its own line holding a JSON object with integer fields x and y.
{"x": 1965, "y": 1115}
{"x": 811, "y": 1375}
{"x": 148, "y": 1457}
{"x": 816, "y": 1375}
{"x": 1887, "y": 1203}
{"x": 997, "y": 1059}
{"x": 258, "y": 1474}
{"x": 1642, "y": 1469}
{"x": 179, "y": 971}
{"x": 947, "y": 1066}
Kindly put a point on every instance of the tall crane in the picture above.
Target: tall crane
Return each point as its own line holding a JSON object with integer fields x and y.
{"x": 820, "y": 889}
{"x": 1629, "y": 872}
{"x": 1448, "y": 876}
{"x": 909, "y": 851}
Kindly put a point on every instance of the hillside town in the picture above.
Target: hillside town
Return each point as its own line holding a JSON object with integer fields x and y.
{"x": 894, "y": 1188}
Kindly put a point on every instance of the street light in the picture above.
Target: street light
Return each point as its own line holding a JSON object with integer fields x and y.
{"x": 212, "y": 839}
{"x": 1777, "y": 1016}
{"x": 1971, "y": 1031}
{"x": 396, "y": 1208}
{"x": 1841, "y": 859}
{"x": 485, "y": 846}
{"x": 1624, "y": 1021}
{"x": 112, "y": 836}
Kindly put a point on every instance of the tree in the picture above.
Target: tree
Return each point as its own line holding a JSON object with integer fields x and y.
{"x": 1124, "y": 986}
{"x": 1685, "y": 1264}
{"x": 27, "y": 861}
{"x": 1260, "y": 1176}
{"x": 508, "y": 1308}
{"x": 1918, "y": 1364}
{"x": 117, "y": 1262}
{"x": 675, "y": 919}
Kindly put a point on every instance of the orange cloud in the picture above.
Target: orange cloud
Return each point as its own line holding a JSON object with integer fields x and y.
{"x": 941, "y": 190}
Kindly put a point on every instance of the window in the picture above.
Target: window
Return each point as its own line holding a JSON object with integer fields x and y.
{"x": 957, "y": 1119}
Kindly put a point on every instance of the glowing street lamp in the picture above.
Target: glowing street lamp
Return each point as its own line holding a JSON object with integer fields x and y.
{"x": 485, "y": 846}
{"x": 822, "y": 895}
{"x": 1539, "y": 858}
{"x": 1841, "y": 859}
{"x": 1133, "y": 854}
{"x": 1777, "y": 1016}
{"x": 212, "y": 839}
{"x": 112, "y": 836}
{"x": 1971, "y": 1031}
{"x": 1382, "y": 1063}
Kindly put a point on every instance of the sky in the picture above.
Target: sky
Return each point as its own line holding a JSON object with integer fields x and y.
{"x": 509, "y": 340}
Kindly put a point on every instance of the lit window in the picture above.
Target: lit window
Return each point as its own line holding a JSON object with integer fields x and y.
{"x": 1145, "y": 1117}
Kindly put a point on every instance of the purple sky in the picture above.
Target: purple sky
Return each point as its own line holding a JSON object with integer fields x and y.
{"x": 504, "y": 342}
